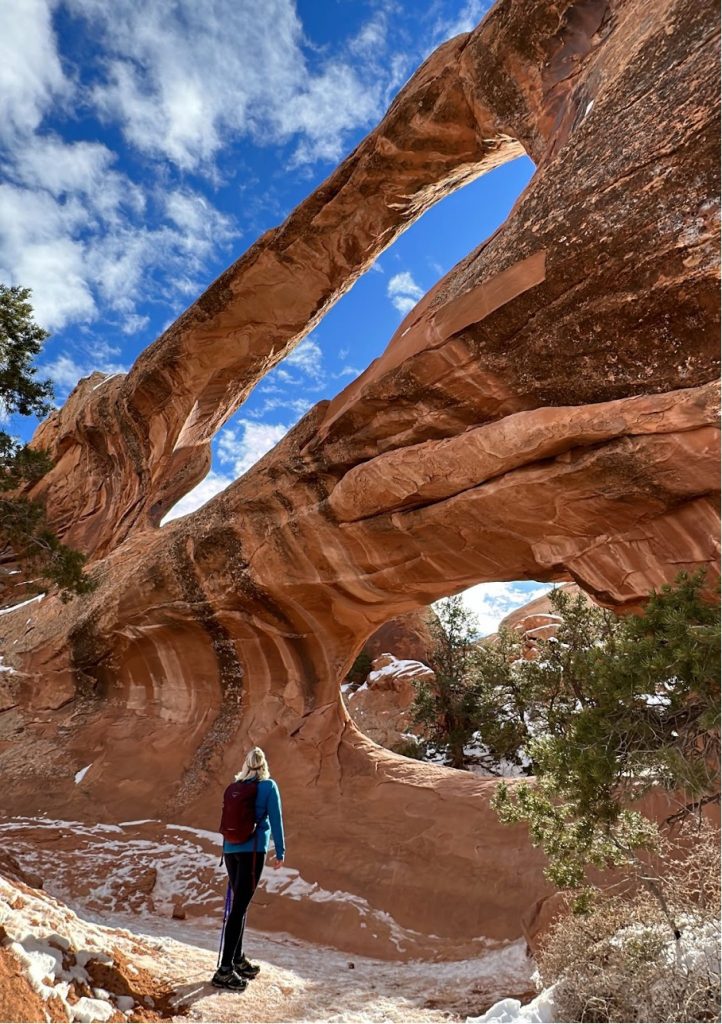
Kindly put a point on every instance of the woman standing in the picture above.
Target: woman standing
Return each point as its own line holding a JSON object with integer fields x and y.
{"x": 244, "y": 862}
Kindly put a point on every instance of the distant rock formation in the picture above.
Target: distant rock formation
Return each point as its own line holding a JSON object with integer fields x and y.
{"x": 547, "y": 411}
{"x": 381, "y": 706}
{"x": 536, "y": 620}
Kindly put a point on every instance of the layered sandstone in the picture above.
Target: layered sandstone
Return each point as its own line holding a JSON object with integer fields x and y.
{"x": 408, "y": 637}
{"x": 548, "y": 411}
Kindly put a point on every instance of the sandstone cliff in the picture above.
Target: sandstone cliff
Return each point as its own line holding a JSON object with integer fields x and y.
{"x": 548, "y": 411}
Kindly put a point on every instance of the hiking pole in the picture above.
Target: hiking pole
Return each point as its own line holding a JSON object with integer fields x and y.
{"x": 226, "y": 912}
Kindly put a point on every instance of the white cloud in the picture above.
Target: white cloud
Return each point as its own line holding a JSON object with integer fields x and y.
{"x": 465, "y": 20}
{"x": 307, "y": 358}
{"x": 134, "y": 323}
{"x": 31, "y": 75}
{"x": 183, "y": 79}
{"x": 65, "y": 370}
{"x": 284, "y": 375}
{"x": 83, "y": 248}
{"x": 371, "y": 37}
{"x": 201, "y": 493}
{"x": 299, "y": 406}
{"x": 40, "y": 249}
{"x": 73, "y": 168}
{"x": 404, "y": 292}
{"x": 73, "y": 228}
{"x": 194, "y": 215}
{"x": 490, "y": 602}
{"x": 242, "y": 445}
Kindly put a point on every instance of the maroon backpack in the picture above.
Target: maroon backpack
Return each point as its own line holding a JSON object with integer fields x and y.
{"x": 238, "y": 821}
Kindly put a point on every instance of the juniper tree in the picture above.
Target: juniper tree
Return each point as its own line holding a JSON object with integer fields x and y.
{"x": 24, "y": 532}
{"x": 447, "y": 707}
{"x": 622, "y": 706}
{"x": 504, "y": 713}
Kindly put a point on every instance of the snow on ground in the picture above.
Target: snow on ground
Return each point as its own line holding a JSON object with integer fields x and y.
{"x": 511, "y": 1011}
{"x": 78, "y": 970}
{"x": 157, "y": 869}
{"x": 299, "y": 981}
{"x": 484, "y": 764}
{"x": 479, "y": 759}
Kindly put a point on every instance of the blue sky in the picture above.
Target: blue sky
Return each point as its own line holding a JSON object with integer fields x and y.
{"x": 146, "y": 144}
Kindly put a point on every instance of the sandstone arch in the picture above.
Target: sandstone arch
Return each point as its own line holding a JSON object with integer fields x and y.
{"x": 548, "y": 411}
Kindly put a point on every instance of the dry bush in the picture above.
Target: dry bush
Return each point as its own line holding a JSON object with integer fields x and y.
{"x": 621, "y": 962}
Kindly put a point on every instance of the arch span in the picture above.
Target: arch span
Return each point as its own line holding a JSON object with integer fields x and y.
{"x": 547, "y": 411}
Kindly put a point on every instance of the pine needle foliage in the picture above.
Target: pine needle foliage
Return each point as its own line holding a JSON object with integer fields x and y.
{"x": 24, "y": 533}
{"x": 619, "y": 706}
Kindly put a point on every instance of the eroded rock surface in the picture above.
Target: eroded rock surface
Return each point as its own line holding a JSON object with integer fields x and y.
{"x": 381, "y": 706}
{"x": 408, "y": 637}
{"x": 548, "y": 411}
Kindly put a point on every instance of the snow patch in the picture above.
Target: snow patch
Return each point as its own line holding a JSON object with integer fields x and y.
{"x": 79, "y": 776}
{"x": 510, "y": 1011}
{"x": 39, "y": 932}
{"x": 91, "y": 1010}
{"x": 395, "y": 668}
{"x": 106, "y": 379}
{"x": 14, "y": 607}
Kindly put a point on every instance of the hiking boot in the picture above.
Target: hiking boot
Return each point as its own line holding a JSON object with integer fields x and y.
{"x": 245, "y": 968}
{"x": 226, "y": 977}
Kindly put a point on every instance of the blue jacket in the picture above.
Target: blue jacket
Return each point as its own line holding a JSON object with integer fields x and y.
{"x": 270, "y": 820}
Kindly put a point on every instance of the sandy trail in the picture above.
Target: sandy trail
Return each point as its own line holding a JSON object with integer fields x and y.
{"x": 305, "y": 982}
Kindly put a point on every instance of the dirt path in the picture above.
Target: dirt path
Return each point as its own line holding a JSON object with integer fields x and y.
{"x": 303, "y": 982}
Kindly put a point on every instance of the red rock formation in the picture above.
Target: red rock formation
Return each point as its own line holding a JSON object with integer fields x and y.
{"x": 399, "y": 652}
{"x": 381, "y": 707}
{"x": 407, "y": 637}
{"x": 536, "y": 620}
{"x": 536, "y": 614}
{"x": 547, "y": 411}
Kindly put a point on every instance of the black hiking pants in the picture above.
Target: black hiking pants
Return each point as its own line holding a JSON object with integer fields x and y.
{"x": 243, "y": 881}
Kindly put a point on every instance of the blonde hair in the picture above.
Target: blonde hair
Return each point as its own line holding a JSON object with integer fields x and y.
{"x": 254, "y": 767}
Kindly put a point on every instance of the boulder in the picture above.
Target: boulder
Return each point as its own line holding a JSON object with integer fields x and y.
{"x": 380, "y": 707}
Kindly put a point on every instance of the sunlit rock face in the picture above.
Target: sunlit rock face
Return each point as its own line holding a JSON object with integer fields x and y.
{"x": 548, "y": 411}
